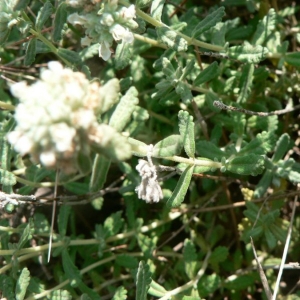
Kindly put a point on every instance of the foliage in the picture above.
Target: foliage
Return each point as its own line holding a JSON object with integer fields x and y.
{"x": 166, "y": 134}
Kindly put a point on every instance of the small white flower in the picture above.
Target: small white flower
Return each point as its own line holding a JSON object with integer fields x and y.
{"x": 128, "y": 13}
{"x": 107, "y": 19}
{"x": 121, "y": 33}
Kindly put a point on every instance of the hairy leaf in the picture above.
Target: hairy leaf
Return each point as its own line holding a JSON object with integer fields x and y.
{"x": 181, "y": 188}
{"x": 207, "y": 74}
{"x": 43, "y": 15}
{"x": 171, "y": 39}
{"x": 22, "y": 284}
{"x": 169, "y": 146}
{"x": 247, "y": 53}
{"x": 186, "y": 129}
{"x": 59, "y": 21}
{"x": 143, "y": 280}
{"x": 209, "y": 21}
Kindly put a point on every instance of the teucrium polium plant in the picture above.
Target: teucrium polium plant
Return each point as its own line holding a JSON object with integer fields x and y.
{"x": 173, "y": 126}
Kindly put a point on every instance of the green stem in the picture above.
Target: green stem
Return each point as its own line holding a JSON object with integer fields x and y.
{"x": 156, "y": 23}
{"x": 53, "y": 49}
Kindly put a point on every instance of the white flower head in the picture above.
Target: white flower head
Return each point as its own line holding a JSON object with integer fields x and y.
{"x": 149, "y": 189}
{"x": 55, "y": 116}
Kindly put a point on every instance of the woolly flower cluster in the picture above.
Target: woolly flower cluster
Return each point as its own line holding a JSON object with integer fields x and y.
{"x": 105, "y": 25}
{"x": 57, "y": 120}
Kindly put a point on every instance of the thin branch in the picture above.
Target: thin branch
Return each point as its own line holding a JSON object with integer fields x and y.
{"x": 223, "y": 106}
{"x": 262, "y": 273}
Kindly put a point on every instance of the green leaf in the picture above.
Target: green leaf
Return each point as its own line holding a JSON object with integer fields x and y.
{"x": 270, "y": 238}
{"x": 30, "y": 52}
{"x": 22, "y": 284}
{"x": 218, "y": 255}
{"x": 72, "y": 273}
{"x": 120, "y": 294}
{"x": 250, "y": 164}
{"x": 142, "y": 3}
{"x": 207, "y": 74}
{"x": 21, "y": 4}
{"x": 181, "y": 188}
{"x": 263, "y": 143}
{"x": 245, "y": 83}
{"x": 167, "y": 68}
{"x": 293, "y": 59}
{"x": 7, "y": 178}
{"x": 109, "y": 94}
{"x": 123, "y": 55}
{"x": 184, "y": 90}
{"x": 113, "y": 224}
{"x": 71, "y": 56}
{"x": 7, "y": 287}
{"x": 240, "y": 283}
{"x": 143, "y": 280}
{"x": 263, "y": 184}
{"x": 63, "y": 218}
{"x": 124, "y": 110}
{"x": 43, "y": 15}
{"x": 169, "y": 146}
{"x": 59, "y": 21}
{"x": 147, "y": 244}
{"x": 190, "y": 259}
{"x": 209, "y": 21}
{"x": 282, "y": 145}
{"x": 265, "y": 28}
{"x": 156, "y": 9}
{"x": 83, "y": 162}
{"x": 208, "y": 284}
{"x": 4, "y": 35}
{"x": 209, "y": 150}
{"x": 156, "y": 289}
{"x": 171, "y": 39}
{"x": 99, "y": 173}
{"x": 78, "y": 188}
{"x": 26, "y": 234}
{"x": 186, "y": 129}
{"x": 138, "y": 148}
{"x": 188, "y": 69}
{"x": 127, "y": 261}
{"x": 247, "y": 53}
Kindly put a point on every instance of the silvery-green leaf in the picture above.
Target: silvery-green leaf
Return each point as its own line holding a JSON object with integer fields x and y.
{"x": 265, "y": 28}
{"x": 207, "y": 74}
{"x": 124, "y": 110}
{"x": 99, "y": 173}
{"x": 43, "y": 15}
{"x": 156, "y": 9}
{"x": 169, "y": 146}
{"x": 181, "y": 188}
{"x": 186, "y": 129}
{"x": 30, "y": 52}
{"x": 248, "y": 53}
{"x": 245, "y": 83}
{"x": 59, "y": 21}
{"x": 123, "y": 55}
{"x": 209, "y": 21}
{"x": 71, "y": 56}
{"x": 171, "y": 39}
{"x": 109, "y": 94}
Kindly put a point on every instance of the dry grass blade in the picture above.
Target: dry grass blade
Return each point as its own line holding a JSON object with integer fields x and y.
{"x": 262, "y": 274}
